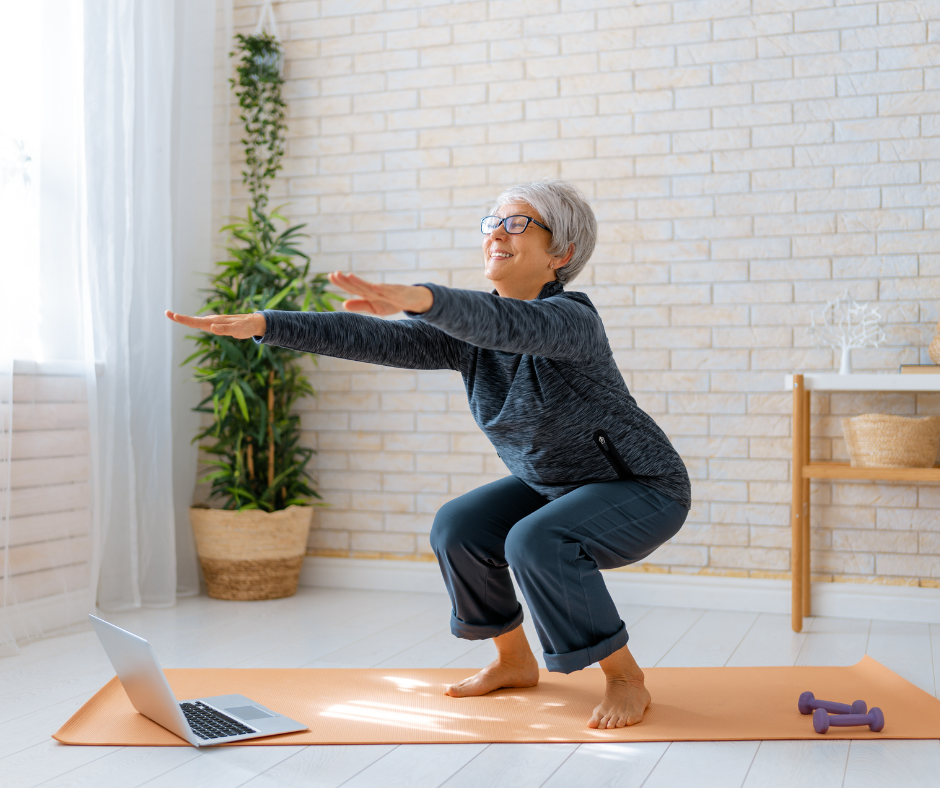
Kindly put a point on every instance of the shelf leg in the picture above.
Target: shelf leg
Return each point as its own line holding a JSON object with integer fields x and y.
{"x": 807, "y": 520}
{"x": 796, "y": 513}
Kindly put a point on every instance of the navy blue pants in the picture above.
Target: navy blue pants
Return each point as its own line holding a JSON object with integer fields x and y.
{"x": 556, "y": 550}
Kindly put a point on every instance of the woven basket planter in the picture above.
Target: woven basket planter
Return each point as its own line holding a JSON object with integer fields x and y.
{"x": 933, "y": 349}
{"x": 876, "y": 440}
{"x": 251, "y": 554}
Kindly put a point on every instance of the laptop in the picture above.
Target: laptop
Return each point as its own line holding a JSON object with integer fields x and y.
{"x": 201, "y": 721}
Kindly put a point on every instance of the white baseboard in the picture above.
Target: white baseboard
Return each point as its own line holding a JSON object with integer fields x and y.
{"x": 753, "y": 595}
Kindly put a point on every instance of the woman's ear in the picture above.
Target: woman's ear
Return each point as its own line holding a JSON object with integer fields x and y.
{"x": 563, "y": 261}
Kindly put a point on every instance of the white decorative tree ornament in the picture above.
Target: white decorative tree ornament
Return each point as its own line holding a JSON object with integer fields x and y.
{"x": 846, "y": 324}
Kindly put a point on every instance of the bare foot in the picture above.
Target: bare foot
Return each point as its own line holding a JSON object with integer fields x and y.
{"x": 515, "y": 666}
{"x": 625, "y": 697}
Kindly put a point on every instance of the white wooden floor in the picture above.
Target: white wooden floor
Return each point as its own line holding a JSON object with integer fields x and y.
{"x": 41, "y": 687}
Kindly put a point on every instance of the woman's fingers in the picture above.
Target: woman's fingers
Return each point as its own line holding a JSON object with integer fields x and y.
{"x": 186, "y": 320}
{"x": 237, "y": 326}
{"x": 359, "y": 305}
{"x": 383, "y": 299}
{"x": 356, "y": 284}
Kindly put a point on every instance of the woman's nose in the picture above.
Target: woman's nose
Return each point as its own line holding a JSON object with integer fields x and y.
{"x": 499, "y": 232}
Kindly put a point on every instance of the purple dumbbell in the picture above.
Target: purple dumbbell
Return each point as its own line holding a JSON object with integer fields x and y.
{"x": 874, "y": 720}
{"x": 807, "y": 704}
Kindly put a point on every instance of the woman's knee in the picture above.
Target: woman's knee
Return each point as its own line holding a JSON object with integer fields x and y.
{"x": 451, "y": 528}
{"x": 529, "y": 544}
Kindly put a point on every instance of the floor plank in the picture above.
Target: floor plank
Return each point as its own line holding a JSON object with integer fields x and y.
{"x": 416, "y": 766}
{"x": 608, "y": 765}
{"x": 834, "y": 641}
{"x": 224, "y": 767}
{"x": 770, "y": 641}
{"x": 128, "y": 766}
{"x": 321, "y": 640}
{"x": 512, "y": 766}
{"x": 46, "y": 761}
{"x": 40, "y": 650}
{"x": 325, "y": 766}
{"x": 784, "y": 764}
{"x": 876, "y": 764}
{"x": 905, "y": 649}
{"x": 390, "y": 640}
{"x": 710, "y": 641}
{"x": 719, "y": 764}
{"x": 481, "y": 655}
{"x": 57, "y": 689}
{"x": 657, "y": 632}
{"x": 80, "y": 658}
{"x": 631, "y": 614}
{"x": 433, "y": 652}
{"x": 37, "y": 727}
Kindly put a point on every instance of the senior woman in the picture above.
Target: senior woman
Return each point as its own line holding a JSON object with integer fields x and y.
{"x": 595, "y": 483}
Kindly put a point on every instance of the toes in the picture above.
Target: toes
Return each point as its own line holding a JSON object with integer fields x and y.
{"x": 595, "y": 721}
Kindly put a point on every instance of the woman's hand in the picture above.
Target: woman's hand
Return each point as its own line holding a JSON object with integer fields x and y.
{"x": 382, "y": 299}
{"x": 368, "y": 297}
{"x": 238, "y": 326}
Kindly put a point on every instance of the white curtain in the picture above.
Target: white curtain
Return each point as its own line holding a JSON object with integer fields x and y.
{"x": 8, "y": 635}
{"x": 119, "y": 116}
{"x": 148, "y": 155}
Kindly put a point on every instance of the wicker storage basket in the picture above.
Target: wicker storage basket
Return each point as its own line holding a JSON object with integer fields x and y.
{"x": 933, "y": 349}
{"x": 876, "y": 440}
{"x": 251, "y": 554}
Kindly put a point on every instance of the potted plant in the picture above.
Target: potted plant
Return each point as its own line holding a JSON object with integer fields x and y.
{"x": 253, "y": 546}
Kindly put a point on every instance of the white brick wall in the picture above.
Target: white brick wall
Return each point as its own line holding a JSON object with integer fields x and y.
{"x": 747, "y": 160}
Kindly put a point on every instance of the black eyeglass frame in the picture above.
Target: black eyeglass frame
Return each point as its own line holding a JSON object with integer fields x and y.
{"x": 528, "y": 220}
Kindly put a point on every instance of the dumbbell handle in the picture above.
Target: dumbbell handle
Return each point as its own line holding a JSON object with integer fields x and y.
{"x": 808, "y": 704}
{"x": 835, "y": 708}
{"x": 847, "y": 720}
{"x": 822, "y": 721}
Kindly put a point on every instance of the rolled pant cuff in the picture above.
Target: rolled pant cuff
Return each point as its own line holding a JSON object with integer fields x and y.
{"x": 483, "y": 631}
{"x": 576, "y": 660}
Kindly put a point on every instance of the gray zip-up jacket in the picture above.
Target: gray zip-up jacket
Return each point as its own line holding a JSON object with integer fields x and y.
{"x": 540, "y": 377}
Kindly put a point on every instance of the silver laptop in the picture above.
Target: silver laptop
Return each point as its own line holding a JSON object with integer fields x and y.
{"x": 202, "y": 721}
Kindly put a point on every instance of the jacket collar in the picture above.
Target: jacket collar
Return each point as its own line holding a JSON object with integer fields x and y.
{"x": 548, "y": 289}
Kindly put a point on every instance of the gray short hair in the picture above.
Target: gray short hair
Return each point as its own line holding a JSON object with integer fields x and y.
{"x": 566, "y": 211}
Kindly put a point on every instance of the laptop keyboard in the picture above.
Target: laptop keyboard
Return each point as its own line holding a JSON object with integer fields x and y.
{"x": 207, "y": 723}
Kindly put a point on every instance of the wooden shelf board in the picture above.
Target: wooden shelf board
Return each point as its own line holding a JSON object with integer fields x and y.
{"x": 842, "y": 470}
{"x": 816, "y": 381}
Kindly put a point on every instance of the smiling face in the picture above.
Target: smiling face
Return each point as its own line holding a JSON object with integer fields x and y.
{"x": 519, "y": 265}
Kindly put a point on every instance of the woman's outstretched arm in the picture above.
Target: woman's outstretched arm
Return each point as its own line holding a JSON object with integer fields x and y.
{"x": 563, "y": 327}
{"x": 395, "y": 343}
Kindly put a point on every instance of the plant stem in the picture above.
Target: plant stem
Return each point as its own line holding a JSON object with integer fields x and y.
{"x": 251, "y": 460}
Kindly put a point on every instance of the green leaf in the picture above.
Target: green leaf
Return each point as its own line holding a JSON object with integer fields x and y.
{"x": 227, "y": 401}
{"x": 241, "y": 400}
{"x": 280, "y": 296}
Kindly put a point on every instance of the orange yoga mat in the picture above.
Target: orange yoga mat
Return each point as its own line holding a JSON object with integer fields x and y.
{"x": 408, "y": 706}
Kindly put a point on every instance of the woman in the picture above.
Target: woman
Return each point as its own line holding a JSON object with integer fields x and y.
{"x": 595, "y": 483}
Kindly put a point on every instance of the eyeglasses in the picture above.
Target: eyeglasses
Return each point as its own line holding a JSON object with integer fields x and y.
{"x": 513, "y": 224}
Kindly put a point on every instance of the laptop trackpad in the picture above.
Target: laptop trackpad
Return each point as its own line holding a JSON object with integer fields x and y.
{"x": 248, "y": 712}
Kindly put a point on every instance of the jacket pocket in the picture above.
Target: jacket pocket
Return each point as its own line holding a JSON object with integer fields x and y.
{"x": 604, "y": 443}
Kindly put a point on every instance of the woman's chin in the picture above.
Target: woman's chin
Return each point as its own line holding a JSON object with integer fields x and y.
{"x": 495, "y": 273}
